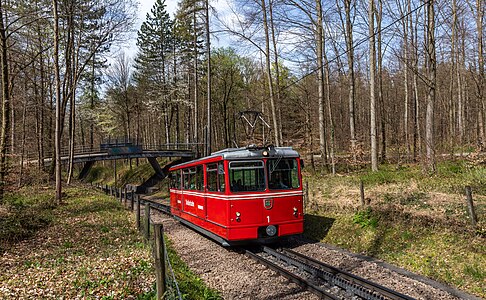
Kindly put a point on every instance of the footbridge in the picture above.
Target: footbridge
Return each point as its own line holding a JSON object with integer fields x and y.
{"x": 122, "y": 148}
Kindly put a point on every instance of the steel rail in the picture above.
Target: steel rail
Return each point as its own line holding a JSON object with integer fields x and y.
{"x": 345, "y": 280}
{"x": 351, "y": 277}
{"x": 292, "y": 277}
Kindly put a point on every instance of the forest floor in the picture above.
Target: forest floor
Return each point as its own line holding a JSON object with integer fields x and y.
{"x": 414, "y": 221}
{"x": 86, "y": 248}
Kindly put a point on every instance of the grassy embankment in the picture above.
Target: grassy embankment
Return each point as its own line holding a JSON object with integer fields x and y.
{"x": 88, "y": 248}
{"x": 415, "y": 221}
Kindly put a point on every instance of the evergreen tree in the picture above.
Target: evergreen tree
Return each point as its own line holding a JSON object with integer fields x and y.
{"x": 155, "y": 42}
{"x": 153, "y": 65}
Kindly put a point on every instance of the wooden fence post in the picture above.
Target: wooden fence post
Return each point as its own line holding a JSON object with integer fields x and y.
{"x": 138, "y": 212}
{"x": 306, "y": 199}
{"x": 132, "y": 194}
{"x": 159, "y": 260}
{"x": 470, "y": 205}
{"x": 147, "y": 221}
{"x": 361, "y": 190}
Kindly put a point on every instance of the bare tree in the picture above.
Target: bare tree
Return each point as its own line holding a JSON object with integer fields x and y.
{"x": 57, "y": 141}
{"x": 5, "y": 101}
{"x": 374, "y": 150}
{"x": 431, "y": 86}
{"x": 347, "y": 23}
{"x": 269, "y": 73}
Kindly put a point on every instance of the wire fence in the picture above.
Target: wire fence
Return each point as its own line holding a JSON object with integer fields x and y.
{"x": 167, "y": 285}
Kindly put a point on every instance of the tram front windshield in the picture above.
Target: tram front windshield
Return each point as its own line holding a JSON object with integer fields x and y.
{"x": 249, "y": 176}
{"x": 282, "y": 174}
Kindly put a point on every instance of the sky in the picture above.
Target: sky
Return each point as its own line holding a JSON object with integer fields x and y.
{"x": 143, "y": 8}
{"x": 146, "y": 5}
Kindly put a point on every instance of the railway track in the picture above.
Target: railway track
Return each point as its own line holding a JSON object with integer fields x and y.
{"x": 324, "y": 280}
{"x": 321, "y": 279}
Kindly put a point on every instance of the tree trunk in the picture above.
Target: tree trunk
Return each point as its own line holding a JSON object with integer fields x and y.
{"x": 481, "y": 100}
{"x": 269, "y": 74}
{"x": 22, "y": 155}
{"x": 329, "y": 110}
{"x": 5, "y": 103}
{"x": 406, "y": 84}
{"x": 196, "y": 79}
{"x": 417, "y": 148}
{"x": 57, "y": 135}
{"x": 320, "y": 82}
{"x": 371, "y": 33}
{"x": 381, "y": 99}
{"x": 277, "y": 71}
{"x": 352, "y": 86}
{"x": 431, "y": 85}
{"x": 208, "y": 71}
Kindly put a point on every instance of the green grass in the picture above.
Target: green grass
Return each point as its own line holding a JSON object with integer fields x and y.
{"x": 27, "y": 212}
{"x": 89, "y": 250}
{"x": 191, "y": 286}
{"x": 441, "y": 254}
{"x": 451, "y": 176}
{"x": 417, "y": 221}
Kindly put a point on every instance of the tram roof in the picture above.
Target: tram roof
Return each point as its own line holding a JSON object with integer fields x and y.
{"x": 247, "y": 152}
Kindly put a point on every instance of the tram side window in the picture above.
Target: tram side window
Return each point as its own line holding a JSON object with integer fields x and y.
{"x": 199, "y": 178}
{"x": 215, "y": 177}
{"x": 247, "y": 176}
{"x": 282, "y": 174}
{"x": 189, "y": 178}
{"x": 212, "y": 177}
{"x": 177, "y": 180}
{"x": 173, "y": 180}
{"x": 186, "y": 178}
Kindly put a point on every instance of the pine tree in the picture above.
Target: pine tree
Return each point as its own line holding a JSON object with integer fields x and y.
{"x": 155, "y": 45}
{"x": 156, "y": 42}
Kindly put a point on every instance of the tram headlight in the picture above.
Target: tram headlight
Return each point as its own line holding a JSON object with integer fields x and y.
{"x": 295, "y": 211}
{"x": 271, "y": 230}
{"x": 265, "y": 153}
{"x": 238, "y": 214}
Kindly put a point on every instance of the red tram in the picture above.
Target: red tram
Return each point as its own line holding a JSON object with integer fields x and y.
{"x": 240, "y": 195}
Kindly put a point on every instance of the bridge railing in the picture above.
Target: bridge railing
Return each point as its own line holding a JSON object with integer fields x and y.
{"x": 105, "y": 147}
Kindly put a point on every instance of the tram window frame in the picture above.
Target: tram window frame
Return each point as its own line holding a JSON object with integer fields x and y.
{"x": 252, "y": 177}
{"x": 175, "y": 179}
{"x": 212, "y": 177}
{"x": 178, "y": 180}
{"x": 215, "y": 181}
{"x": 221, "y": 177}
{"x": 189, "y": 178}
{"x": 285, "y": 178}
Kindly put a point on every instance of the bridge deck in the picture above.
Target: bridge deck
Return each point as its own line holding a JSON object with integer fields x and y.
{"x": 80, "y": 158}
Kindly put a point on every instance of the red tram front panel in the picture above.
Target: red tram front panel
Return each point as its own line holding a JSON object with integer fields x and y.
{"x": 283, "y": 210}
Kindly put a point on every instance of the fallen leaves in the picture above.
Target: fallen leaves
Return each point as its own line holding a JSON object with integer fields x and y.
{"x": 91, "y": 250}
